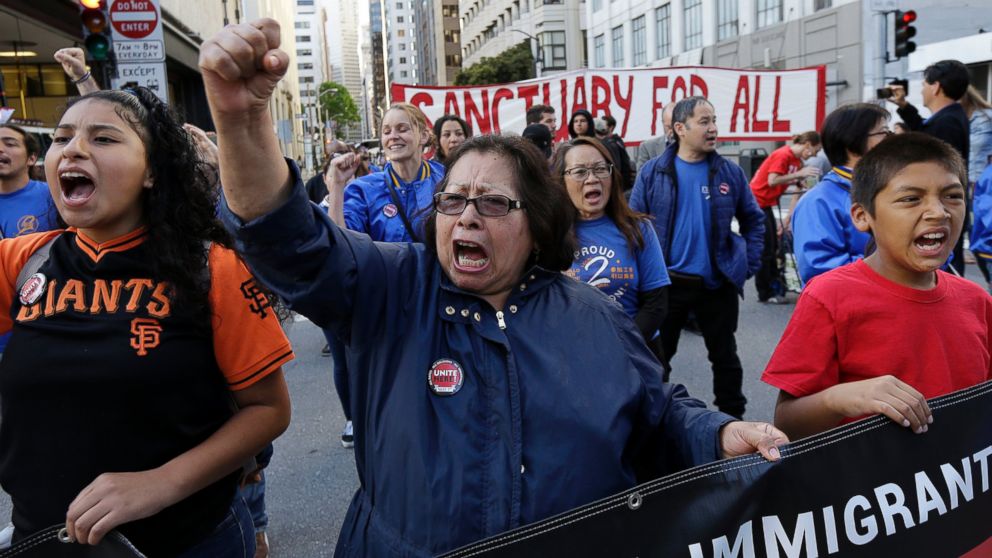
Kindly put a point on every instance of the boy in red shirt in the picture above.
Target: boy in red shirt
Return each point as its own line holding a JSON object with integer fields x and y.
{"x": 784, "y": 167}
{"x": 883, "y": 334}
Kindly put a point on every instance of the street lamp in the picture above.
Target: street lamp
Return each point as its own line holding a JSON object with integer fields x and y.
{"x": 539, "y": 52}
{"x": 328, "y": 122}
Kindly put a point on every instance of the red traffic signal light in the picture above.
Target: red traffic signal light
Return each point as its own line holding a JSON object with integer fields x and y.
{"x": 904, "y": 31}
{"x": 96, "y": 29}
{"x": 94, "y": 20}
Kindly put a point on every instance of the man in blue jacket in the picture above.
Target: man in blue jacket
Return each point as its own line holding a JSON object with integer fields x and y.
{"x": 692, "y": 195}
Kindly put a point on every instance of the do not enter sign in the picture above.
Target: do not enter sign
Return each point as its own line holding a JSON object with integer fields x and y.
{"x": 135, "y": 19}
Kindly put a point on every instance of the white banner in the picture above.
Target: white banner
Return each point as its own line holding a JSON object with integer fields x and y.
{"x": 751, "y": 105}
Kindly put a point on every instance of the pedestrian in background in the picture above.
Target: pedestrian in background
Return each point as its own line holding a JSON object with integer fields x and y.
{"x": 708, "y": 263}
{"x": 782, "y": 169}
{"x": 450, "y": 131}
{"x": 618, "y": 249}
{"x": 823, "y": 235}
{"x": 581, "y": 124}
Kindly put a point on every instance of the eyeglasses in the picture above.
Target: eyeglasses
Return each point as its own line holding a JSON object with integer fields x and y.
{"x": 886, "y": 132}
{"x": 582, "y": 173}
{"x": 489, "y": 205}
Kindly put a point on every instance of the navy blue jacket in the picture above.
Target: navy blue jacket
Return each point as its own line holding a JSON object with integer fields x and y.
{"x": 737, "y": 257}
{"x": 555, "y": 409}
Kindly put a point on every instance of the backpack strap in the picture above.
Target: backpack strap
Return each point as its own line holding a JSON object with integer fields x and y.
{"x": 35, "y": 262}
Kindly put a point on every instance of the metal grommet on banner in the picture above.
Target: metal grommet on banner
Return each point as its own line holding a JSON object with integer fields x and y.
{"x": 63, "y": 536}
{"x": 634, "y": 501}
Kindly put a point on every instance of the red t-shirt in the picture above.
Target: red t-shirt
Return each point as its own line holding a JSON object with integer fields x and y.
{"x": 780, "y": 162}
{"x": 852, "y": 324}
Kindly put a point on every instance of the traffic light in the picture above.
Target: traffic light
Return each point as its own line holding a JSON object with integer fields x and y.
{"x": 904, "y": 31}
{"x": 96, "y": 29}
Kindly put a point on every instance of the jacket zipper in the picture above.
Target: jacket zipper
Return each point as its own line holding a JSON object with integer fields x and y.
{"x": 499, "y": 318}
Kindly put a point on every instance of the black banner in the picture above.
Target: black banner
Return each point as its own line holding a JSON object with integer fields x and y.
{"x": 870, "y": 488}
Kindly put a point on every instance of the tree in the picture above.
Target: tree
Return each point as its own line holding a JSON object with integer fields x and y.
{"x": 510, "y": 65}
{"x": 337, "y": 105}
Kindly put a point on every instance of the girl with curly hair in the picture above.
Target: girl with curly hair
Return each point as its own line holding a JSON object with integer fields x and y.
{"x": 144, "y": 367}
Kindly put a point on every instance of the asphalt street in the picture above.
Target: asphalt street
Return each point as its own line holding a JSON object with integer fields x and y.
{"x": 312, "y": 478}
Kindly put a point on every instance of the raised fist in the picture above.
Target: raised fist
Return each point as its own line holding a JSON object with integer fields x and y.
{"x": 241, "y": 66}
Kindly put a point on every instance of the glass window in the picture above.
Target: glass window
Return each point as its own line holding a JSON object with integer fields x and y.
{"x": 663, "y": 31}
{"x": 399, "y": 5}
{"x": 726, "y": 24}
{"x": 599, "y": 51}
{"x": 402, "y": 46}
{"x": 769, "y": 12}
{"x": 553, "y": 49}
{"x": 303, "y": 38}
{"x": 597, "y": 5}
{"x": 401, "y": 33}
{"x": 693, "y": 19}
{"x": 822, "y": 4}
{"x": 304, "y": 2}
{"x": 304, "y": 66}
{"x": 640, "y": 38}
{"x": 402, "y": 60}
{"x": 399, "y": 19}
{"x": 302, "y": 25}
{"x": 404, "y": 73}
{"x": 617, "y": 36}
{"x": 304, "y": 52}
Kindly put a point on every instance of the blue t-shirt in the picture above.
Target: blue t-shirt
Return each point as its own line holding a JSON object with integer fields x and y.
{"x": 28, "y": 210}
{"x": 690, "y": 252}
{"x": 605, "y": 260}
{"x": 369, "y": 207}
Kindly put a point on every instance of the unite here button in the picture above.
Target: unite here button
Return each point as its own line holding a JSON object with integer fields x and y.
{"x": 445, "y": 377}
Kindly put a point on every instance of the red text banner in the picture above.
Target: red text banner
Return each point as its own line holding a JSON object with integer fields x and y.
{"x": 751, "y": 105}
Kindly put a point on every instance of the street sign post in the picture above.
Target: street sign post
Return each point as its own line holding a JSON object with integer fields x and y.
{"x": 139, "y": 45}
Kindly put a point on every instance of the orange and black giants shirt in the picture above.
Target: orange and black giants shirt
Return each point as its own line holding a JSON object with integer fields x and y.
{"x": 105, "y": 373}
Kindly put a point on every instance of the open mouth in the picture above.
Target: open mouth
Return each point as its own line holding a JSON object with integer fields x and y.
{"x": 470, "y": 257}
{"x": 930, "y": 243}
{"x": 4, "y": 160}
{"x": 593, "y": 197}
{"x": 76, "y": 187}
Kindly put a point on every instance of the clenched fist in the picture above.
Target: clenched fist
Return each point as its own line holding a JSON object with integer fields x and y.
{"x": 241, "y": 66}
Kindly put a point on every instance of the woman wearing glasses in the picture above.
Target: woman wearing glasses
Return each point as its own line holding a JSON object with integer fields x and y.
{"x": 494, "y": 391}
{"x": 824, "y": 236}
{"x": 618, "y": 249}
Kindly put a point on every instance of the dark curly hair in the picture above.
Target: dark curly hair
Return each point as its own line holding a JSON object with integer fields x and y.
{"x": 180, "y": 209}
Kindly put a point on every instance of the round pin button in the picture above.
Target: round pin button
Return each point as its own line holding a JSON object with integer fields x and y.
{"x": 445, "y": 377}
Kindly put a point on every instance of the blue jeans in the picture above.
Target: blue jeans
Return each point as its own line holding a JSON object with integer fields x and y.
{"x": 340, "y": 372}
{"x": 234, "y": 536}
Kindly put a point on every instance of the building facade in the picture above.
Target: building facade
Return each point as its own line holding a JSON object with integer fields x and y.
{"x": 439, "y": 48}
{"x": 400, "y": 40}
{"x": 554, "y": 27}
{"x": 343, "y": 58}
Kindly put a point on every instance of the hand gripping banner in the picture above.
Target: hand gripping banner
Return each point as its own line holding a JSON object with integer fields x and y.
{"x": 870, "y": 488}
{"x": 751, "y": 105}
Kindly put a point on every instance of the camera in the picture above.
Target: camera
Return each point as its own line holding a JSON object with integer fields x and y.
{"x": 886, "y": 92}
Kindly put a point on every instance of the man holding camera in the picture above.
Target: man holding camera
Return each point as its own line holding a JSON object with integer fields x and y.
{"x": 944, "y": 83}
